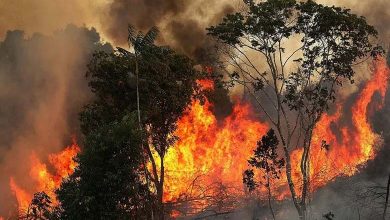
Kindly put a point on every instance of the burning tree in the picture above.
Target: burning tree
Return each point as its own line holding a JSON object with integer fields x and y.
{"x": 291, "y": 57}
{"x": 41, "y": 207}
{"x": 140, "y": 94}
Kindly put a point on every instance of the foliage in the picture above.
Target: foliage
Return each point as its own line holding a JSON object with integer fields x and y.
{"x": 108, "y": 181}
{"x": 292, "y": 56}
{"x": 167, "y": 82}
{"x": 332, "y": 39}
{"x": 112, "y": 180}
{"x": 41, "y": 208}
{"x": 266, "y": 159}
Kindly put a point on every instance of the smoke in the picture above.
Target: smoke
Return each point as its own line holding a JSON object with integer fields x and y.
{"x": 182, "y": 23}
{"x": 42, "y": 85}
{"x": 42, "y": 89}
{"x": 377, "y": 14}
{"x": 47, "y": 16}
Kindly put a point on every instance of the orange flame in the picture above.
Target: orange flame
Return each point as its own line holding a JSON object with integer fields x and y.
{"x": 358, "y": 143}
{"x": 63, "y": 165}
{"x": 23, "y": 198}
{"x": 205, "y": 84}
{"x": 218, "y": 151}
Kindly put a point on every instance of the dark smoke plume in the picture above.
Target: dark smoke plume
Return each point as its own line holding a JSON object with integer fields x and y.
{"x": 42, "y": 89}
{"x": 42, "y": 85}
{"x": 181, "y": 22}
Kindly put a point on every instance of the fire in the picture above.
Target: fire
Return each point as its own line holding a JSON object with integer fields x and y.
{"x": 212, "y": 151}
{"x": 217, "y": 151}
{"x": 21, "y": 195}
{"x": 63, "y": 166}
{"x": 357, "y": 143}
{"x": 205, "y": 84}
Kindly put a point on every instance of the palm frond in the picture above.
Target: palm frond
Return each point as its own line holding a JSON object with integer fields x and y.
{"x": 138, "y": 40}
{"x": 132, "y": 34}
{"x": 124, "y": 52}
{"x": 151, "y": 36}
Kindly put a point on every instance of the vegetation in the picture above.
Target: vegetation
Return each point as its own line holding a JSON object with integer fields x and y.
{"x": 267, "y": 160}
{"x": 293, "y": 55}
{"x": 139, "y": 97}
{"x": 108, "y": 183}
{"x": 41, "y": 208}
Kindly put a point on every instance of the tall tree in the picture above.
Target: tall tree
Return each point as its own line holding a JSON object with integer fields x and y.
{"x": 154, "y": 83}
{"x": 291, "y": 57}
{"x": 140, "y": 43}
{"x": 171, "y": 79}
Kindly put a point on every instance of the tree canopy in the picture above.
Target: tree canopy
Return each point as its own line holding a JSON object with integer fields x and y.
{"x": 108, "y": 181}
{"x": 291, "y": 57}
{"x": 113, "y": 179}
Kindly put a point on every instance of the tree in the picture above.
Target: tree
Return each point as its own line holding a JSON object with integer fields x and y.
{"x": 172, "y": 83}
{"x": 155, "y": 84}
{"x": 140, "y": 44}
{"x": 266, "y": 159}
{"x": 40, "y": 208}
{"x": 291, "y": 57}
{"x": 108, "y": 182}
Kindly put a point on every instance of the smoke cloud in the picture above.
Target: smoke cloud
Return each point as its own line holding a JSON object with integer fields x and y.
{"x": 47, "y": 16}
{"x": 42, "y": 89}
{"x": 182, "y": 23}
{"x": 42, "y": 84}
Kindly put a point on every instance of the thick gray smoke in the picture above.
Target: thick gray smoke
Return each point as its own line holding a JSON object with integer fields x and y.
{"x": 182, "y": 23}
{"x": 42, "y": 89}
{"x": 42, "y": 85}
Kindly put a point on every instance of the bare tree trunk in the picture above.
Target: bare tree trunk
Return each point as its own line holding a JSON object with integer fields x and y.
{"x": 305, "y": 170}
{"x": 387, "y": 198}
{"x": 269, "y": 198}
{"x": 137, "y": 75}
{"x": 139, "y": 120}
{"x": 305, "y": 180}
{"x": 291, "y": 183}
{"x": 160, "y": 188}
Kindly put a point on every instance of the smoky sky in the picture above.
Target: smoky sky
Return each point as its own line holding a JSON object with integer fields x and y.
{"x": 182, "y": 23}
{"x": 42, "y": 66}
{"x": 376, "y": 12}
{"x": 42, "y": 90}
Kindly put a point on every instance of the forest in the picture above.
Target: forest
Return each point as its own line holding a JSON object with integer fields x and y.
{"x": 271, "y": 109}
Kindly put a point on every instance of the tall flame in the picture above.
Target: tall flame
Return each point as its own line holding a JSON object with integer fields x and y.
{"x": 63, "y": 166}
{"x": 218, "y": 151}
{"x": 358, "y": 142}
{"x": 215, "y": 151}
